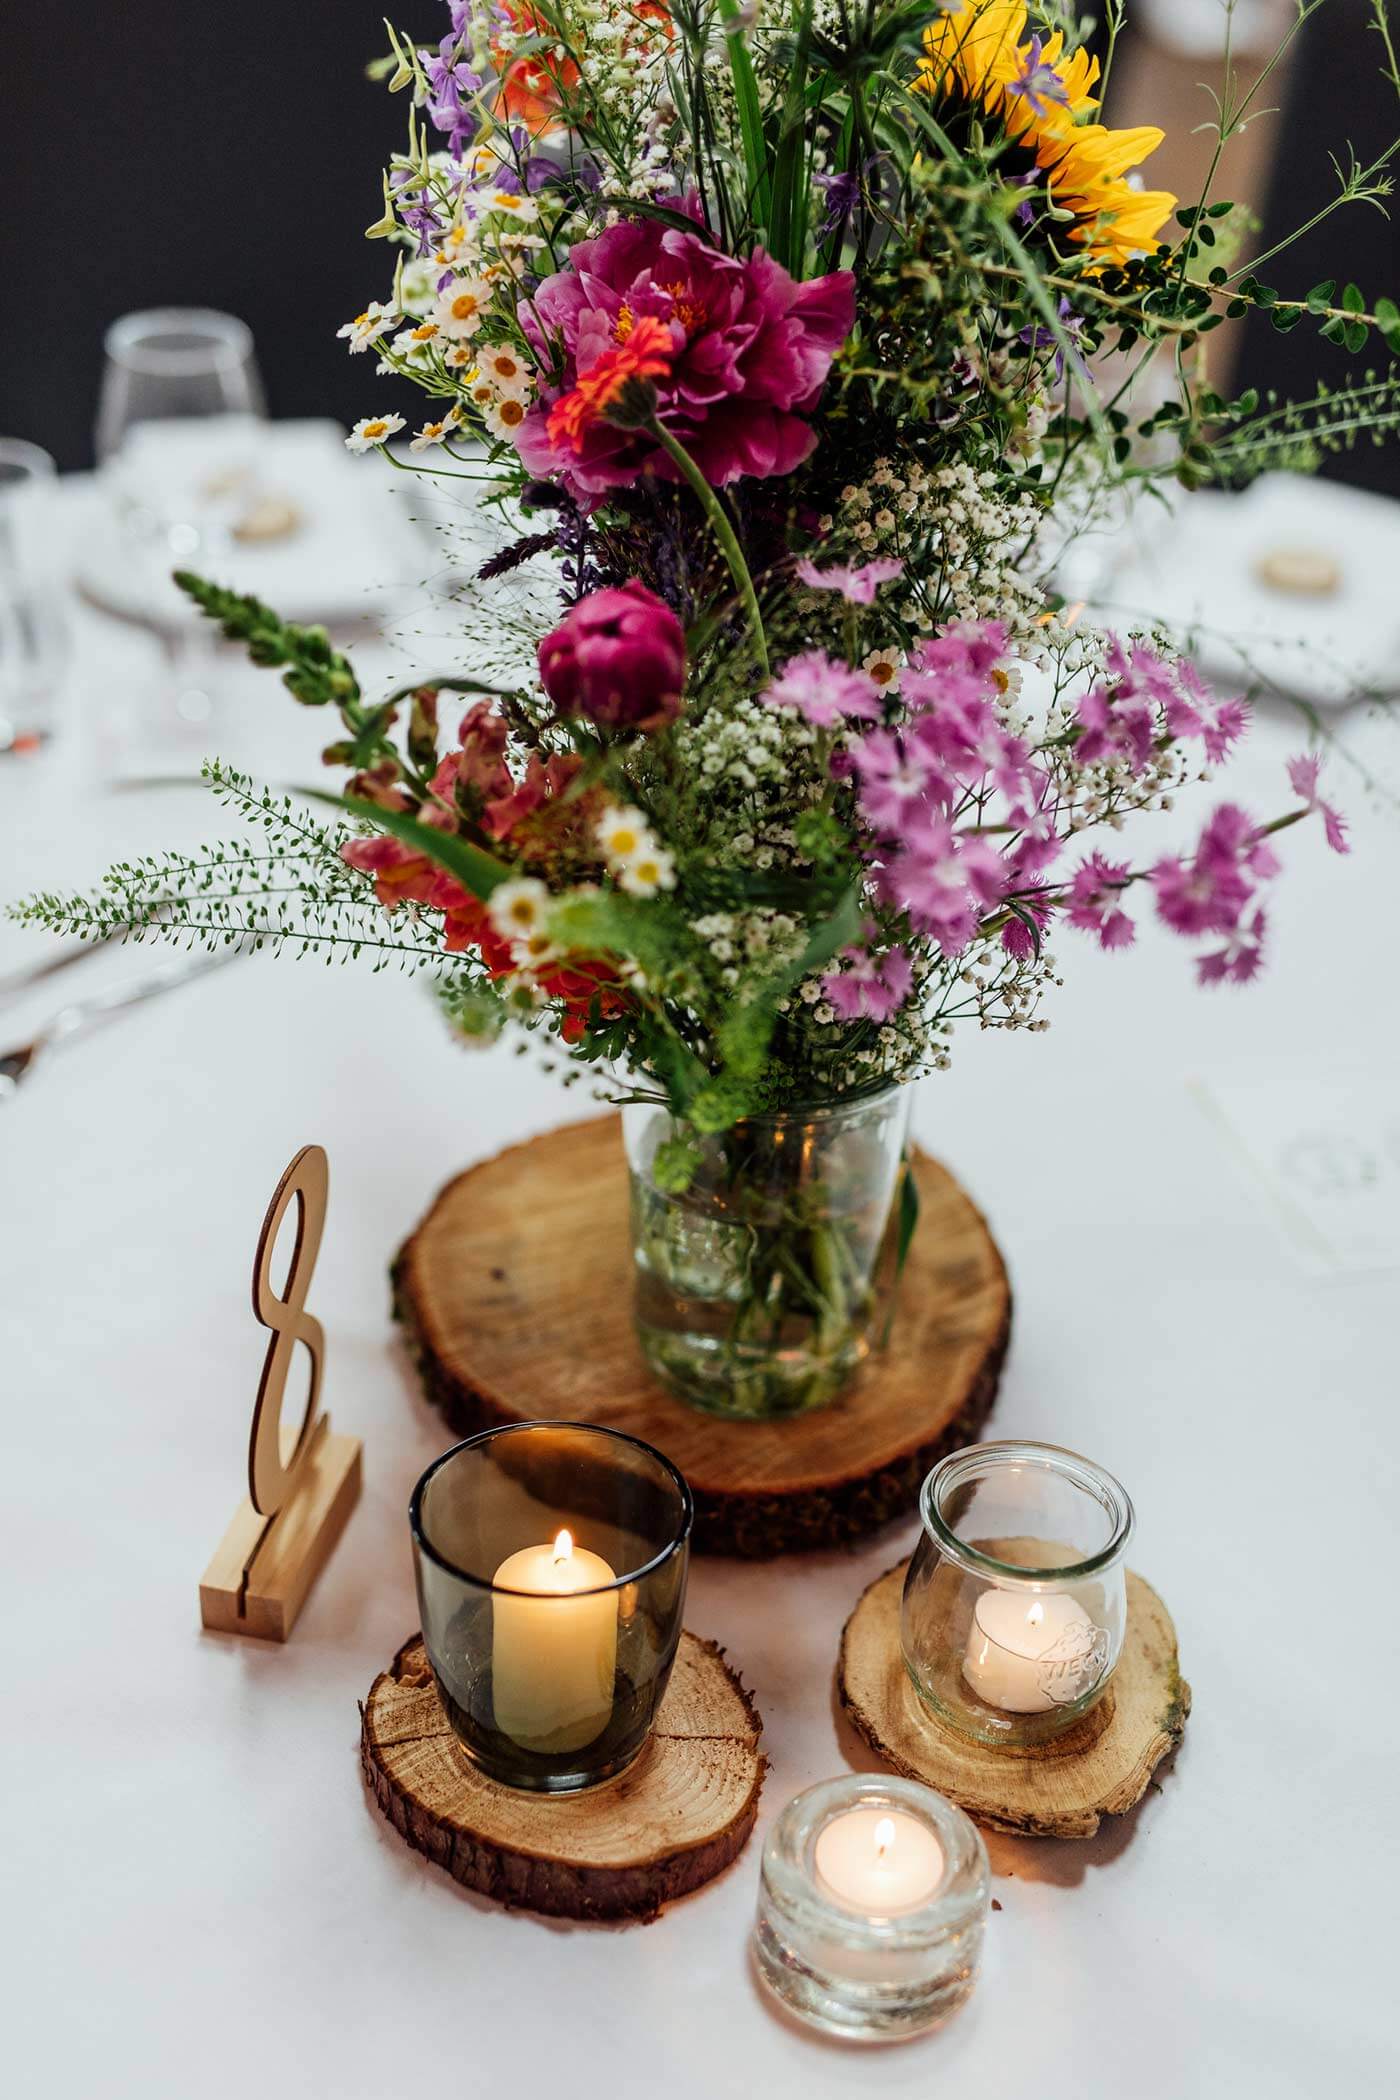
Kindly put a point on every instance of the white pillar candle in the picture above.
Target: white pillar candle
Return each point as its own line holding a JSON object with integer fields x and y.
{"x": 1028, "y": 1653}
{"x": 553, "y": 1651}
{"x": 881, "y": 1863}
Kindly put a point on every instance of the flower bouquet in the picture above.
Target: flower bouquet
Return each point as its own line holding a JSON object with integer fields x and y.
{"x": 791, "y": 350}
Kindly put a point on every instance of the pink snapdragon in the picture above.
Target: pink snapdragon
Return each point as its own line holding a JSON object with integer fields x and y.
{"x": 824, "y": 692}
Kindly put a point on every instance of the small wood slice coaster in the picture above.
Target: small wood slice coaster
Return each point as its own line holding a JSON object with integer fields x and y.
{"x": 1101, "y": 1767}
{"x": 671, "y": 1822}
{"x": 515, "y": 1295}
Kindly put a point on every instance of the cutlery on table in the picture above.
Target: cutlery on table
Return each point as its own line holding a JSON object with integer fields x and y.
{"x": 85, "y": 1014}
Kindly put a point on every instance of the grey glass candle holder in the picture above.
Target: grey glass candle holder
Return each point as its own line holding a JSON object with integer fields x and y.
{"x": 1015, "y": 1603}
{"x": 551, "y": 1562}
{"x": 854, "y": 1951}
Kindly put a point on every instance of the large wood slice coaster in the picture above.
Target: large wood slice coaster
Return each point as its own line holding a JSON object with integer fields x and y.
{"x": 1101, "y": 1767}
{"x": 670, "y": 1823}
{"x": 515, "y": 1295}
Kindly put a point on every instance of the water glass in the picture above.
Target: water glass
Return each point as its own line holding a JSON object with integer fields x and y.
{"x": 177, "y": 425}
{"x": 33, "y": 630}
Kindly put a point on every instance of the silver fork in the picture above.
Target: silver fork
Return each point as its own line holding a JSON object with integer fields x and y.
{"x": 85, "y": 1014}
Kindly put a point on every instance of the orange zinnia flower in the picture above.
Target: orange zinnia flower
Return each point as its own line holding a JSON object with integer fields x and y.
{"x": 644, "y": 353}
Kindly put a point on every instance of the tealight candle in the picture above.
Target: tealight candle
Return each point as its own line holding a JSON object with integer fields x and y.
{"x": 1029, "y": 1653}
{"x": 882, "y": 1864}
{"x": 553, "y": 1645}
{"x": 871, "y": 1903}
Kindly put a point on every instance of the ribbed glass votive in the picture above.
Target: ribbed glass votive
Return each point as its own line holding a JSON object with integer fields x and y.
{"x": 871, "y": 1906}
{"x": 1015, "y": 1604}
{"x": 551, "y": 1566}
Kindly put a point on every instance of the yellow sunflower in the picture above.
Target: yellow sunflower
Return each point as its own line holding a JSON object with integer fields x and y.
{"x": 981, "y": 52}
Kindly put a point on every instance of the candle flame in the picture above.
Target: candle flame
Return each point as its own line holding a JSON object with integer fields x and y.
{"x": 1033, "y": 1616}
{"x": 563, "y": 1546}
{"x": 884, "y": 1837}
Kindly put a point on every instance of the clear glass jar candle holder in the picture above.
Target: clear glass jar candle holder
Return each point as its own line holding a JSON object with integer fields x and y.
{"x": 1015, "y": 1604}
{"x": 872, "y": 1900}
{"x": 551, "y": 1566}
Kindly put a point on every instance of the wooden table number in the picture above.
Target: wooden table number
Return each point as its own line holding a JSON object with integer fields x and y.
{"x": 301, "y": 1489}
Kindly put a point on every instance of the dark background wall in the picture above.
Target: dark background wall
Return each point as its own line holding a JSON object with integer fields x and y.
{"x": 164, "y": 152}
{"x": 167, "y": 152}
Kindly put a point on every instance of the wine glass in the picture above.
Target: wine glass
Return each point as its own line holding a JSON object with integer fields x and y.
{"x": 33, "y": 631}
{"x": 177, "y": 446}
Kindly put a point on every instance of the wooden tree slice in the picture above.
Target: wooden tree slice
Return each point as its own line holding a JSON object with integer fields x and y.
{"x": 515, "y": 1295}
{"x": 1101, "y": 1767}
{"x": 671, "y": 1822}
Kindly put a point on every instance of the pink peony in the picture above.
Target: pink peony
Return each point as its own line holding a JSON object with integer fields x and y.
{"x": 751, "y": 352}
{"x": 618, "y": 657}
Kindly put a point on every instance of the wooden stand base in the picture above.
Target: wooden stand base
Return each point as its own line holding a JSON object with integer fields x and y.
{"x": 515, "y": 1295}
{"x": 1099, "y": 1768}
{"x": 262, "y": 1572}
{"x": 668, "y": 1824}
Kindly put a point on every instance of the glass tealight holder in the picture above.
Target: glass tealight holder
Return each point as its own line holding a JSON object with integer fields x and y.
{"x": 872, "y": 1901}
{"x": 551, "y": 1565}
{"x": 1015, "y": 1604}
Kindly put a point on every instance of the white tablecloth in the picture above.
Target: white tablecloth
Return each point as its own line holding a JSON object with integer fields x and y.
{"x": 201, "y": 1901}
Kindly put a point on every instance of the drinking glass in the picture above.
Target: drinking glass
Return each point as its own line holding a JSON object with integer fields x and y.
{"x": 33, "y": 631}
{"x": 177, "y": 445}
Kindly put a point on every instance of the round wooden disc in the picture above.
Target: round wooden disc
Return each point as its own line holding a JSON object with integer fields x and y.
{"x": 515, "y": 1295}
{"x": 1100, "y": 1767}
{"x": 669, "y": 1823}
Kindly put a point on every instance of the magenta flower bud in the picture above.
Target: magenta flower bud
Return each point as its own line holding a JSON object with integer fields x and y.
{"x": 618, "y": 657}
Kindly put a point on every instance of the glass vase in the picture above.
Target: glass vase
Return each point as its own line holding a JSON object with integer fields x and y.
{"x": 1015, "y": 1603}
{"x": 765, "y": 1281}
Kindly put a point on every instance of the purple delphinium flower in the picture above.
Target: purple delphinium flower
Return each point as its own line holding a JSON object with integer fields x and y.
{"x": 1072, "y": 324}
{"x": 1092, "y": 901}
{"x": 450, "y": 79}
{"x": 1302, "y": 778}
{"x": 857, "y": 586}
{"x": 1039, "y": 81}
{"x": 842, "y": 193}
{"x": 869, "y": 987}
{"x": 824, "y": 692}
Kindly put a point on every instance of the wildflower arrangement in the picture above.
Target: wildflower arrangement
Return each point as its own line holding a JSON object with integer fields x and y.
{"x": 795, "y": 343}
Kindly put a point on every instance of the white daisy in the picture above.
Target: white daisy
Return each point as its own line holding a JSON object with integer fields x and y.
{"x": 456, "y": 246}
{"x": 513, "y": 203}
{"x": 459, "y": 357}
{"x": 366, "y": 328}
{"x": 508, "y": 370}
{"x": 461, "y": 309}
{"x": 516, "y": 909}
{"x": 883, "y": 666}
{"x": 371, "y": 431}
{"x": 504, "y": 417}
{"x": 648, "y": 872}
{"x": 622, "y": 833}
{"x": 436, "y": 433}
